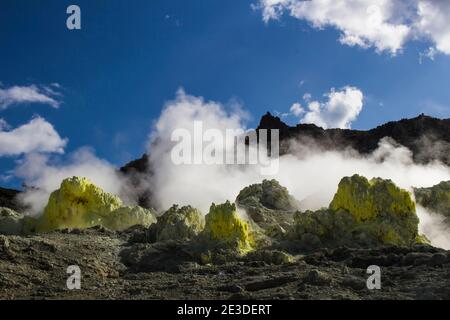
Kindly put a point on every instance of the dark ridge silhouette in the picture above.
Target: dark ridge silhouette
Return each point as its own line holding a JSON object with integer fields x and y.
{"x": 8, "y": 198}
{"x": 138, "y": 165}
{"x": 428, "y": 138}
{"x": 133, "y": 171}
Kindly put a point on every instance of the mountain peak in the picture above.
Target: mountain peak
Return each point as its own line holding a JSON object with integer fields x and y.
{"x": 268, "y": 121}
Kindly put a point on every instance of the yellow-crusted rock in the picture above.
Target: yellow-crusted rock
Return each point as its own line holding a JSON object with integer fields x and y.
{"x": 362, "y": 213}
{"x": 127, "y": 216}
{"x": 179, "y": 223}
{"x": 269, "y": 205}
{"x": 436, "y": 198}
{"x": 78, "y": 203}
{"x": 224, "y": 227}
{"x": 366, "y": 199}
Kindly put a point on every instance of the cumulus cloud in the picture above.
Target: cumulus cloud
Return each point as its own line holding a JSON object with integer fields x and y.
{"x": 385, "y": 25}
{"x": 38, "y": 135}
{"x": 433, "y": 22}
{"x": 338, "y": 111}
{"x": 429, "y": 53}
{"x": 29, "y": 94}
{"x": 296, "y": 109}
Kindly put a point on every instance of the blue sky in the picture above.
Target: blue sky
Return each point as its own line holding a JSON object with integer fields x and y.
{"x": 131, "y": 57}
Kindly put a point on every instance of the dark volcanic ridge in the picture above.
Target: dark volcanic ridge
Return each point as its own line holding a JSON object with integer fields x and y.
{"x": 420, "y": 135}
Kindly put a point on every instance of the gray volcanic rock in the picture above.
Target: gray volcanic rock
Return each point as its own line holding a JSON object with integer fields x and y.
{"x": 15, "y": 223}
{"x": 269, "y": 205}
{"x": 11, "y": 222}
{"x": 436, "y": 198}
{"x": 178, "y": 224}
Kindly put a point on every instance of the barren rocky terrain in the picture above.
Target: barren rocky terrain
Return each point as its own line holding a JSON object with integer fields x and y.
{"x": 34, "y": 267}
{"x": 273, "y": 251}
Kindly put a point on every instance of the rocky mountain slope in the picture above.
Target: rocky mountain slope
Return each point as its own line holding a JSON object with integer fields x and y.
{"x": 428, "y": 138}
{"x": 8, "y": 198}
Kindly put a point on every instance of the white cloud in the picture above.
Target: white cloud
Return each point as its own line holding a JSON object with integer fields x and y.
{"x": 296, "y": 109}
{"x": 433, "y": 22}
{"x": 29, "y": 94}
{"x": 38, "y": 135}
{"x": 4, "y": 125}
{"x": 430, "y": 53}
{"x": 341, "y": 108}
{"x": 385, "y": 25}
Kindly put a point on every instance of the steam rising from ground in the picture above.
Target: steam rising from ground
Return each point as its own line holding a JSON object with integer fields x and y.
{"x": 197, "y": 184}
{"x": 311, "y": 174}
{"x": 434, "y": 227}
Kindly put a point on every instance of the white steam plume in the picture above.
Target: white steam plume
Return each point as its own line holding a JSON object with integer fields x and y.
{"x": 434, "y": 227}
{"x": 198, "y": 184}
{"x": 310, "y": 174}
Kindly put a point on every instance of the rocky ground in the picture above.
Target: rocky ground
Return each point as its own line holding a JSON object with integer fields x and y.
{"x": 122, "y": 265}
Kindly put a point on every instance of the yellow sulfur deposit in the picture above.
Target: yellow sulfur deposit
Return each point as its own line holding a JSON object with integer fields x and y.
{"x": 366, "y": 200}
{"x": 127, "y": 216}
{"x": 179, "y": 223}
{"x": 362, "y": 213}
{"x": 223, "y": 225}
{"x": 78, "y": 203}
{"x": 435, "y": 198}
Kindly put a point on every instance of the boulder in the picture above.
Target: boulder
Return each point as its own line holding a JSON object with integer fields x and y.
{"x": 362, "y": 213}
{"x": 179, "y": 224}
{"x": 127, "y": 216}
{"x": 79, "y": 203}
{"x": 269, "y": 205}
{"x": 367, "y": 200}
{"x": 224, "y": 228}
{"x": 436, "y": 198}
{"x": 272, "y": 257}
